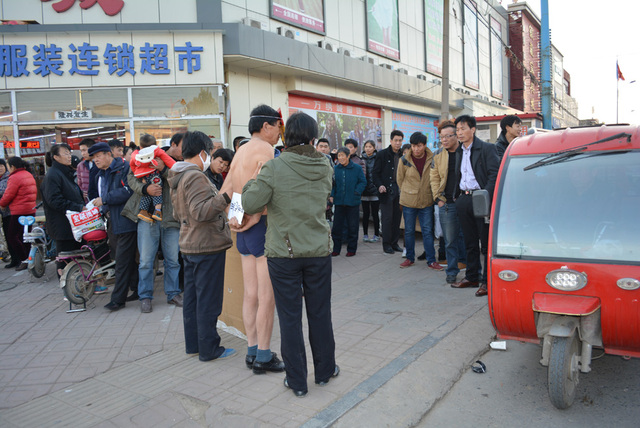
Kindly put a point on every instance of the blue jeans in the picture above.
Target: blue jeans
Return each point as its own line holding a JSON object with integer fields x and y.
{"x": 453, "y": 239}
{"x": 149, "y": 236}
{"x": 425, "y": 217}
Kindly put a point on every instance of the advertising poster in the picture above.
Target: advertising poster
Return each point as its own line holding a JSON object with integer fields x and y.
{"x": 409, "y": 123}
{"x": 496, "y": 59}
{"x": 470, "y": 45}
{"x": 383, "y": 34}
{"x": 338, "y": 121}
{"x": 307, "y": 14}
{"x": 433, "y": 11}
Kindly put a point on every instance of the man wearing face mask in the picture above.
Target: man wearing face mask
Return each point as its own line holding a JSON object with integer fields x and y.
{"x": 204, "y": 240}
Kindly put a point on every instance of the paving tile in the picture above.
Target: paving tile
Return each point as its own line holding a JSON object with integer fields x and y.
{"x": 49, "y": 412}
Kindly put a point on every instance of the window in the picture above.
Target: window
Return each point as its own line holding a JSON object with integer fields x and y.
{"x": 175, "y": 102}
{"x": 96, "y": 103}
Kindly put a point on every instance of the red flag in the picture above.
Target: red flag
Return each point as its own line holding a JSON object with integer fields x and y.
{"x": 620, "y": 76}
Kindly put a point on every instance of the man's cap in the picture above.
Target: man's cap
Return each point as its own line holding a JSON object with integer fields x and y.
{"x": 99, "y": 147}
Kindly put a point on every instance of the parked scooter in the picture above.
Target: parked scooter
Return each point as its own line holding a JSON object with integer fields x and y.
{"x": 43, "y": 248}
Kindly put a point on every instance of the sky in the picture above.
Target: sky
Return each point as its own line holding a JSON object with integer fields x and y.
{"x": 592, "y": 35}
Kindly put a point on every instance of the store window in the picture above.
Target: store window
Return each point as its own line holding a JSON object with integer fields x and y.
{"x": 164, "y": 129}
{"x": 78, "y": 104}
{"x": 5, "y": 107}
{"x": 175, "y": 102}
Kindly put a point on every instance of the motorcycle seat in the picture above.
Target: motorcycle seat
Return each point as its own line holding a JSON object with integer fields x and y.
{"x": 83, "y": 253}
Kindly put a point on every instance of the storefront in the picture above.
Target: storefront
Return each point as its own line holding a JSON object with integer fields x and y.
{"x": 61, "y": 88}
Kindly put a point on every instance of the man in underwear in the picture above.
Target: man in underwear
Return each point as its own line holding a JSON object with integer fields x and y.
{"x": 258, "y": 303}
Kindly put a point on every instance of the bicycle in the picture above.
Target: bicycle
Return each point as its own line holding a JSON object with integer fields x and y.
{"x": 86, "y": 268}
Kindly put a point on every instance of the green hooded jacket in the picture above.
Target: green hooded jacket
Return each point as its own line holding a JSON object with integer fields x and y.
{"x": 294, "y": 187}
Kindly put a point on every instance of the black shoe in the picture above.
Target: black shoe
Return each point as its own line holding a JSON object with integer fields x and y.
{"x": 249, "y": 360}
{"x": 423, "y": 256}
{"x": 336, "y": 372}
{"x": 12, "y": 265}
{"x": 133, "y": 297}
{"x": 388, "y": 250}
{"x": 275, "y": 365}
{"x": 451, "y": 279}
{"x": 396, "y": 248}
{"x": 297, "y": 393}
{"x": 113, "y": 306}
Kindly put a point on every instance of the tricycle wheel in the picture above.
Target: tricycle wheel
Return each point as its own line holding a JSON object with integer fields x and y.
{"x": 73, "y": 282}
{"x": 563, "y": 370}
{"x": 37, "y": 266}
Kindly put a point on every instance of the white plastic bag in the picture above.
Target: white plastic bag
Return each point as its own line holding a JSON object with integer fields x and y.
{"x": 85, "y": 222}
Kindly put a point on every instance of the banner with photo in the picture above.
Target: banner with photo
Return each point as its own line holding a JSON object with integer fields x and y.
{"x": 433, "y": 16}
{"x": 496, "y": 58}
{"x": 338, "y": 121}
{"x": 307, "y": 14}
{"x": 470, "y": 45}
{"x": 409, "y": 123}
{"x": 383, "y": 28}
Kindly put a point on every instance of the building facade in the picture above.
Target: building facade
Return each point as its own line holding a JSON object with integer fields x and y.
{"x": 121, "y": 68}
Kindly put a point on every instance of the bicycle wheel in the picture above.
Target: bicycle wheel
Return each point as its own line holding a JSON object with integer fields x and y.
{"x": 37, "y": 267}
{"x": 76, "y": 289}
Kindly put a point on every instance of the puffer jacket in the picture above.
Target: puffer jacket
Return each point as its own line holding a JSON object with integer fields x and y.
{"x": 415, "y": 191}
{"x": 21, "y": 193}
{"x": 83, "y": 177}
{"x": 115, "y": 192}
{"x": 294, "y": 187}
{"x": 369, "y": 161}
{"x": 59, "y": 194}
{"x": 349, "y": 183}
{"x": 3, "y": 186}
{"x": 199, "y": 209}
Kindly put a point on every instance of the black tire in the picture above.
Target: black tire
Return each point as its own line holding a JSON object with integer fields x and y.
{"x": 563, "y": 370}
{"x": 76, "y": 289}
{"x": 37, "y": 268}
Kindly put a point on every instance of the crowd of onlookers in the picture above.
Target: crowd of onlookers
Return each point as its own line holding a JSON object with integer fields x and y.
{"x": 292, "y": 208}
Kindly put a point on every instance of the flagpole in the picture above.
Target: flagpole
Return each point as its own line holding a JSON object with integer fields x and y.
{"x": 617, "y": 89}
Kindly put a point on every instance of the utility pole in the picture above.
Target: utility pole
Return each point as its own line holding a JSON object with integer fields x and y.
{"x": 545, "y": 62}
{"x": 445, "y": 62}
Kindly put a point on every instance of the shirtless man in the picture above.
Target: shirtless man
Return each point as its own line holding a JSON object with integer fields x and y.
{"x": 258, "y": 304}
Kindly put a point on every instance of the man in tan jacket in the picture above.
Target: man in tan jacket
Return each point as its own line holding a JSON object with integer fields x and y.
{"x": 416, "y": 199}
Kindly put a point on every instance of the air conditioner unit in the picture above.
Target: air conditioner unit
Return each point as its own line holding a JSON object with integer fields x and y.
{"x": 344, "y": 51}
{"x": 459, "y": 90}
{"x": 421, "y": 77}
{"x": 478, "y": 96}
{"x": 402, "y": 71}
{"x": 250, "y": 22}
{"x": 288, "y": 32}
{"x": 325, "y": 45}
{"x": 437, "y": 82}
{"x": 369, "y": 59}
{"x": 467, "y": 92}
{"x": 387, "y": 66}
{"x": 485, "y": 98}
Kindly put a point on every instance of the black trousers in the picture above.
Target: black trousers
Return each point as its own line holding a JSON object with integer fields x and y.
{"x": 476, "y": 233}
{"x": 13, "y": 234}
{"x": 293, "y": 279}
{"x": 202, "y": 300}
{"x": 371, "y": 208}
{"x": 391, "y": 216}
{"x": 345, "y": 218}
{"x": 126, "y": 266}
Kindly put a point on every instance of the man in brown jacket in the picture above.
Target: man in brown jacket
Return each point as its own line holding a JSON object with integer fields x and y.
{"x": 204, "y": 239}
{"x": 416, "y": 199}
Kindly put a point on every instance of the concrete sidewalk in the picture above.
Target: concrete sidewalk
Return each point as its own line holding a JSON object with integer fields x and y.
{"x": 403, "y": 337}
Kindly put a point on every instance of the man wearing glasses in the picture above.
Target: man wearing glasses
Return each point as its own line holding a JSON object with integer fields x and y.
{"x": 258, "y": 303}
{"x": 443, "y": 184}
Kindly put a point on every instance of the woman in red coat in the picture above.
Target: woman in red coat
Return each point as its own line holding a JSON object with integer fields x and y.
{"x": 20, "y": 197}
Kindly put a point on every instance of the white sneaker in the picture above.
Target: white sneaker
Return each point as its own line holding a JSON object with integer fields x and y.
{"x": 404, "y": 253}
{"x": 366, "y": 238}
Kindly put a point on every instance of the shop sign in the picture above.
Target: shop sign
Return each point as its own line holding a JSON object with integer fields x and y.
{"x": 84, "y": 59}
{"x": 74, "y": 114}
{"x": 29, "y": 144}
{"x": 409, "y": 123}
{"x": 110, "y": 7}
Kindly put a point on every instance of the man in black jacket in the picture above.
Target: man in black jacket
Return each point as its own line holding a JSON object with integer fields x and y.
{"x": 477, "y": 164}
{"x": 384, "y": 178}
{"x": 510, "y": 126}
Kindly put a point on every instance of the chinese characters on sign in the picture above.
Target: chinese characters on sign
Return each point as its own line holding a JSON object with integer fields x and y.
{"x": 84, "y": 59}
{"x": 74, "y": 114}
{"x": 110, "y": 7}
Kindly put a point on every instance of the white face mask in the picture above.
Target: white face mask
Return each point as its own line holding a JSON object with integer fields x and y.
{"x": 205, "y": 163}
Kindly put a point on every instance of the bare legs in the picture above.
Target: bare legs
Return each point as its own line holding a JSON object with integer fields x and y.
{"x": 258, "y": 304}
